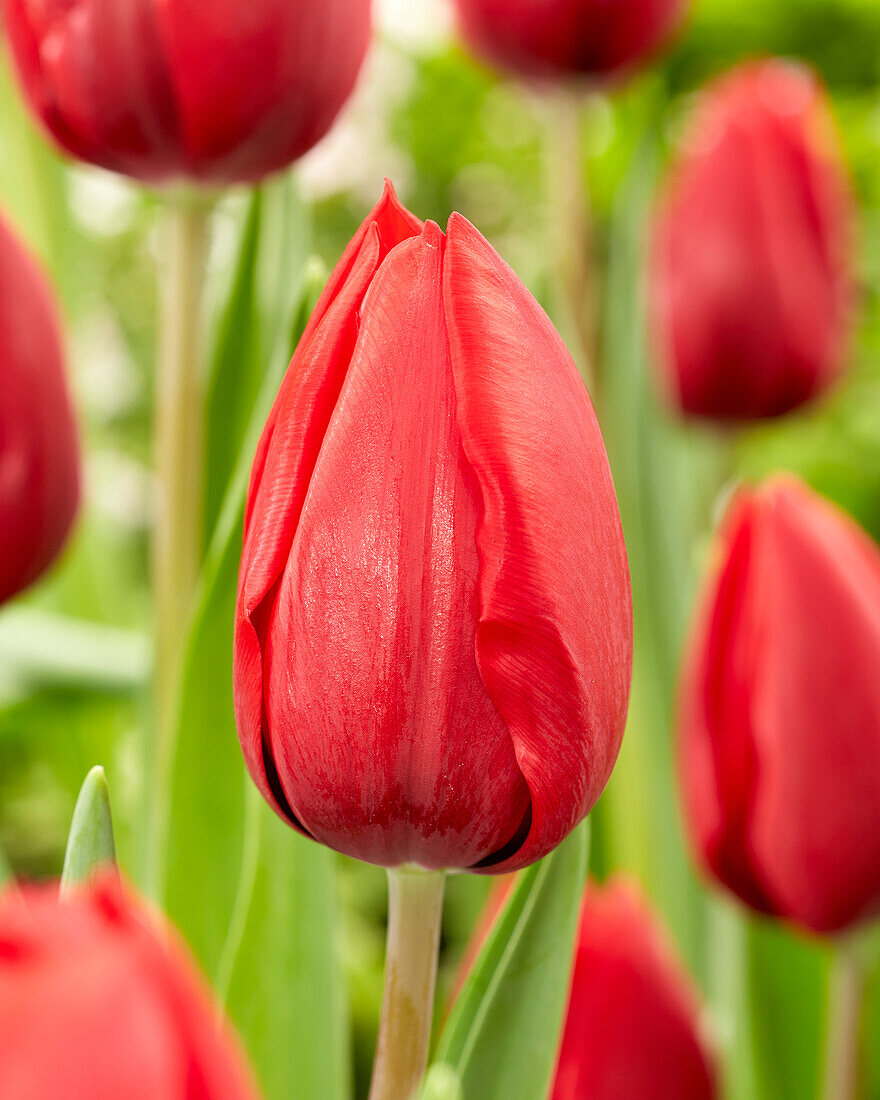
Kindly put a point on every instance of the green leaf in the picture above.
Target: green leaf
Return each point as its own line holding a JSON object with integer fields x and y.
{"x": 285, "y": 991}
{"x": 665, "y": 478}
{"x": 90, "y": 846}
{"x": 272, "y": 251}
{"x": 6, "y": 874}
{"x": 255, "y": 901}
{"x": 503, "y": 1032}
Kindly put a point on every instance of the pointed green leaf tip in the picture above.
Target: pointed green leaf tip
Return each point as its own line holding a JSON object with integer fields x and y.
{"x": 90, "y": 845}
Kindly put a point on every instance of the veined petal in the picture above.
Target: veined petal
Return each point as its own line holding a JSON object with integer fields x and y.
{"x": 286, "y": 456}
{"x": 554, "y": 642}
{"x": 388, "y": 745}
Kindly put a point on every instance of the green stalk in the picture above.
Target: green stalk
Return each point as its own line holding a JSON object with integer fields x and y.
{"x": 846, "y": 998}
{"x": 415, "y": 909}
{"x": 179, "y": 428}
{"x": 570, "y": 233}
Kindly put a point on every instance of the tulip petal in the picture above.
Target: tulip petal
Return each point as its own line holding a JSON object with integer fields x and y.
{"x": 554, "y": 642}
{"x": 816, "y": 715}
{"x": 716, "y": 750}
{"x": 258, "y": 84}
{"x": 388, "y": 746}
{"x": 116, "y": 113}
{"x": 286, "y": 456}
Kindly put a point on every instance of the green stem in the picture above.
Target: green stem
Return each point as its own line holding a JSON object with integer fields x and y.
{"x": 415, "y": 909}
{"x": 179, "y": 414}
{"x": 846, "y": 995}
{"x": 570, "y": 232}
{"x": 730, "y": 995}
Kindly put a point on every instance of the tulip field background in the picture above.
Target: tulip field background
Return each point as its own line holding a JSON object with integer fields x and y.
{"x": 273, "y": 919}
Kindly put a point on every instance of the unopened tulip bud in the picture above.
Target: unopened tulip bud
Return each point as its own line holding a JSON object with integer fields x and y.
{"x": 98, "y": 1003}
{"x": 751, "y": 281}
{"x": 631, "y": 1030}
{"x": 558, "y": 38}
{"x": 217, "y": 91}
{"x": 39, "y": 448}
{"x": 780, "y": 711}
{"x": 433, "y": 633}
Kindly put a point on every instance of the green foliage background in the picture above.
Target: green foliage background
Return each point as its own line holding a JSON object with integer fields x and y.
{"x": 74, "y": 653}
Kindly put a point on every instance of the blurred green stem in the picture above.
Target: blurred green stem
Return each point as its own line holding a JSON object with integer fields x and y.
{"x": 179, "y": 427}
{"x": 570, "y": 231}
{"x": 730, "y": 996}
{"x": 846, "y": 996}
{"x": 415, "y": 910}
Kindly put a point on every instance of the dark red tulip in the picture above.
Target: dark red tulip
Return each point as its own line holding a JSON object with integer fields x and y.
{"x": 39, "y": 450}
{"x": 99, "y": 1003}
{"x": 556, "y": 38}
{"x": 780, "y": 711}
{"x": 631, "y": 1029}
{"x": 433, "y": 633}
{"x": 213, "y": 90}
{"x": 751, "y": 277}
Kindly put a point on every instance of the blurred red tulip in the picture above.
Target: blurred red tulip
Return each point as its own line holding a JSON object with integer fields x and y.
{"x": 780, "y": 711}
{"x": 219, "y": 91}
{"x": 631, "y": 1030}
{"x": 39, "y": 450}
{"x": 751, "y": 283}
{"x": 554, "y": 38}
{"x": 97, "y": 1004}
{"x": 433, "y": 634}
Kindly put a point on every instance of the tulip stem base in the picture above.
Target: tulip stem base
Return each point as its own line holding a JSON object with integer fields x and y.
{"x": 178, "y": 433}
{"x": 415, "y": 909}
{"x": 846, "y": 996}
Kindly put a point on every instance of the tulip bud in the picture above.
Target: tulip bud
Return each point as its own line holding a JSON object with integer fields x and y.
{"x": 780, "y": 711}
{"x": 558, "y": 38}
{"x": 631, "y": 1028}
{"x": 97, "y": 1004}
{"x": 751, "y": 284}
{"x": 219, "y": 92}
{"x": 39, "y": 451}
{"x": 433, "y": 632}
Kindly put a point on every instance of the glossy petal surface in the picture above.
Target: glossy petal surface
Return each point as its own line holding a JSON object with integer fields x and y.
{"x": 433, "y": 640}
{"x": 554, "y": 642}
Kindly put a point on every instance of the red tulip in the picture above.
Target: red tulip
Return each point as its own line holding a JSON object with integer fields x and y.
{"x": 433, "y": 632}
{"x": 780, "y": 711}
{"x": 751, "y": 281}
{"x": 97, "y": 1004}
{"x": 39, "y": 452}
{"x": 215, "y": 90}
{"x": 554, "y": 38}
{"x": 631, "y": 1029}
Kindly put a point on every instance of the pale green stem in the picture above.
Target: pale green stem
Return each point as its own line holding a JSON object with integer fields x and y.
{"x": 730, "y": 996}
{"x": 178, "y": 435}
{"x": 846, "y": 996}
{"x": 570, "y": 232}
{"x": 415, "y": 909}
